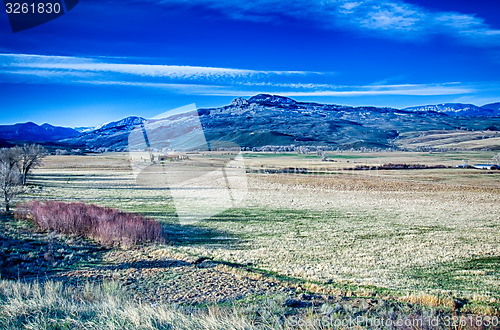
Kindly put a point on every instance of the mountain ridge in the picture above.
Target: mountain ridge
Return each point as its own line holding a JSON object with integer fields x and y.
{"x": 492, "y": 106}
{"x": 266, "y": 119}
{"x": 32, "y": 132}
{"x": 460, "y": 109}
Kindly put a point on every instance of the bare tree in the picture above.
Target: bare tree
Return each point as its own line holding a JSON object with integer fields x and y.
{"x": 30, "y": 156}
{"x": 10, "y": 177}
{"x": 10, "y": 157}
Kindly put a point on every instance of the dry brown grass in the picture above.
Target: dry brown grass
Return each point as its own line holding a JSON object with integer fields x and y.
{"x": 469, "y": 140}
{"x": 427, "y": 299}
{"x": 358, "y": 228}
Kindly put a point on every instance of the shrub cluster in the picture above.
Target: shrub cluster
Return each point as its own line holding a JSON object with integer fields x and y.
{"x": 391, "y": 166}
{"x": 107, "y": 226}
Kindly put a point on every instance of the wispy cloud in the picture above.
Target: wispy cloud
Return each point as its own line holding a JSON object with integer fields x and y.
{"x": 217, "y": 90}
{"x": 394, "y": 18}
{"x": 90, "y": 65}
{"x": 420, "y": 90}
{"x": 197, "y": 80}
{"x": 353, "y": 91}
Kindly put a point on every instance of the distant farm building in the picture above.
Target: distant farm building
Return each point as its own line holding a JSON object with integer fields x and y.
{"x": 171, "y": 158}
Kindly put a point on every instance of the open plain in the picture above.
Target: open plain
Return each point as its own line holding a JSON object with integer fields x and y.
{"x": 311, "y": 239}
{"x": 433, "y": 231}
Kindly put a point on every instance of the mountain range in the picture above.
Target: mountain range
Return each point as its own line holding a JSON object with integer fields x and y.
{"x": 461, "y": 110}
{"x": 264, "y": 120}
{"x": 31, "y": 132}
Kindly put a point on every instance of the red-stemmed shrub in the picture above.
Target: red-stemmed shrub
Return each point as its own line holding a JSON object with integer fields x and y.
{"x": 105, "y": 225}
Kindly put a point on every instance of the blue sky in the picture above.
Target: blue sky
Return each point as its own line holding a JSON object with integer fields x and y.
{"x": 107, "y": 59}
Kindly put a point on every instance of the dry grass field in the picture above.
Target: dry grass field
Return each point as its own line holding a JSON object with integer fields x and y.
{"x": 411, "y": 231}
{"x": 460, "y": 139}
{"x": 411, "y": 234}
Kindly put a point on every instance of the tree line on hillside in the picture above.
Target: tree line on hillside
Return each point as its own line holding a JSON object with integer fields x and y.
{"x": 16, "y": 164}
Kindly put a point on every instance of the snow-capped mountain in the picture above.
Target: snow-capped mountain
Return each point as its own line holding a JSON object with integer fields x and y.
{"x": 124, "y": 124}
{"x": 459, "y": 109}
{"x": 84, "y": 129}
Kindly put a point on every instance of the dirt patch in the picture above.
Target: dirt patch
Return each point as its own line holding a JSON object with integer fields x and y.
{"x": 149, "y": 273}
{"x": 26, "y": 253}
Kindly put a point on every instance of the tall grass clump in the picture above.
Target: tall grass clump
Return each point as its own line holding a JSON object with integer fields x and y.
{"x": 53, "y": 305}
{"x": 107, "y": 226}
{"x": 108, "y": 305}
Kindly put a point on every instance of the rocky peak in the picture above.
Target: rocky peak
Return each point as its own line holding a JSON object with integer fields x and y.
{"x": 130, "y": 122}
{"x": 239, "y": 102}
{"x": 271, "y": 99}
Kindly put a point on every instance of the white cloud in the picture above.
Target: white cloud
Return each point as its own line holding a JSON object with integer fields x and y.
{"x": 476, "y": 100}
{"x": 349, "y": 6}
{"x": 309, "y": 90}
{"x": 340, "y": 91}
{"x": 75, "y": 65}
{"x": 196, "y": 80}
{"x": 459, "y": 21}
{"x": 389, "y": 17}
{"x": 25, "y": 68}
{"x": 420, "y": 91}
{"x": 394, "y": 18}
